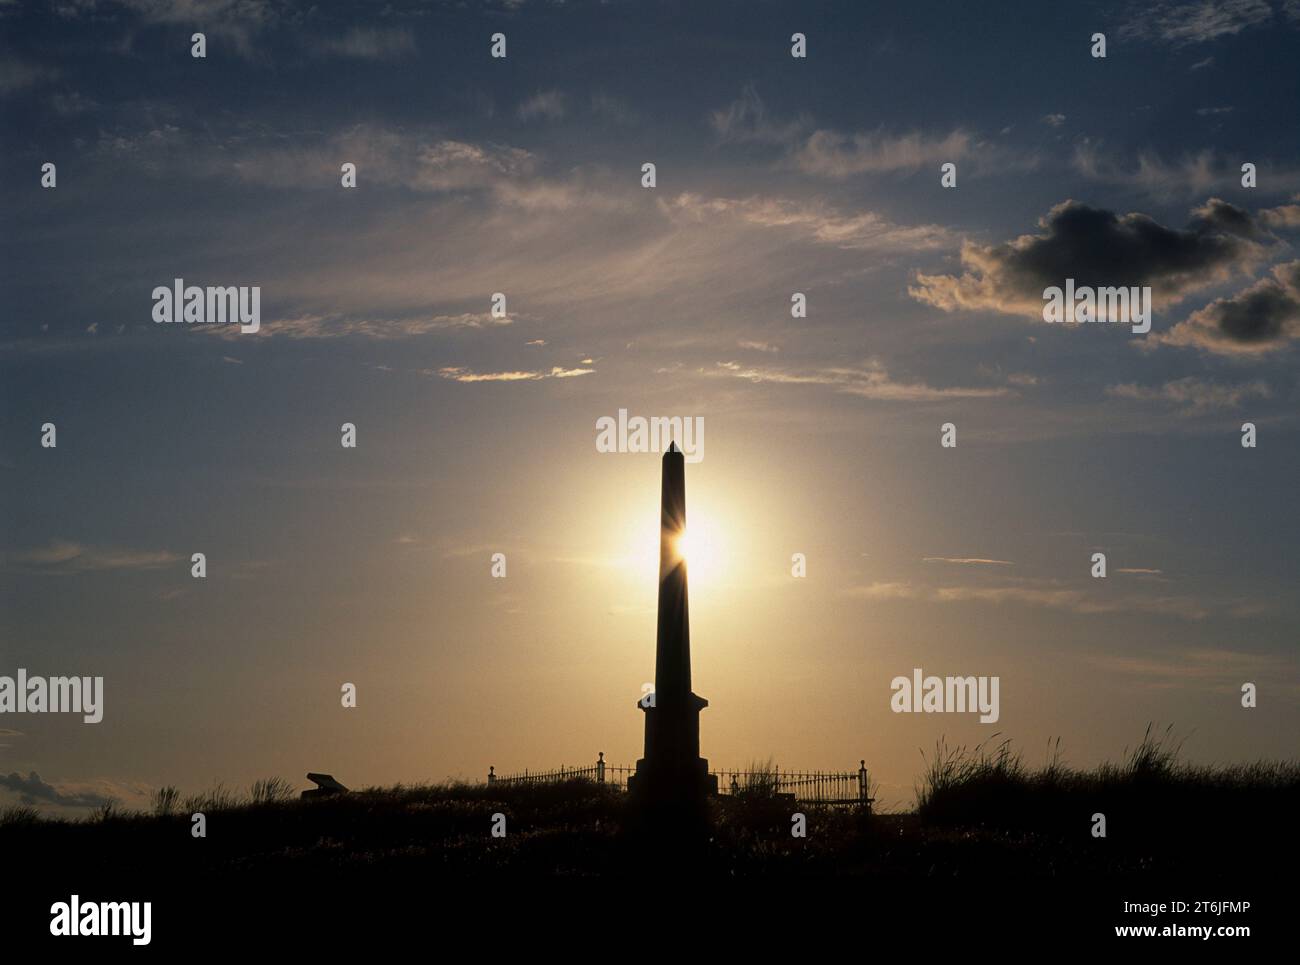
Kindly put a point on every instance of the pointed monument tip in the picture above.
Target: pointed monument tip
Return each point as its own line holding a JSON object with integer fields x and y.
{"x": 672, "y": 447}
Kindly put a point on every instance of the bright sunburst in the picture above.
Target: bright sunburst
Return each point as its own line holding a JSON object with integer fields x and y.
{"x": 703, "y": 546}
{"x": 716, "y": 548}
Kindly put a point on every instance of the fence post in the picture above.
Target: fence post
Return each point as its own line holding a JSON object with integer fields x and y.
{"x": 862, "y": 781}
{"x": 492, "y": 775}
{"x": 600, "y": 768}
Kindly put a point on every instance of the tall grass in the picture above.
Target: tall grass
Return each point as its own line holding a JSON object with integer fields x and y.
{"x": 1150, "y": 795}
{"x": 272, "y": 790}
{"x": 761, "y": 781}
{"x": 219, "y": 798}
{"x": 165, "y": 800}
{"x": 956, "y": 773}
{"x": 19, "y": 816}
{"x": 104, "y": 813}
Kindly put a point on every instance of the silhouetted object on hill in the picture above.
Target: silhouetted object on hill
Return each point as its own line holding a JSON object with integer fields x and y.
{"x": 325, "y": 786}
{"x": 672, "y": 773}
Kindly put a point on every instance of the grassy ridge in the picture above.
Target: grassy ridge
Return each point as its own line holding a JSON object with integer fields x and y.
{"x": 1151, "y": 800}
{"x": 980, "y": 811}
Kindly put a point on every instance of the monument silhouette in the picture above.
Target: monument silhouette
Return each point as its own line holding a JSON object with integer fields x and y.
{"x": 672, "y": 775}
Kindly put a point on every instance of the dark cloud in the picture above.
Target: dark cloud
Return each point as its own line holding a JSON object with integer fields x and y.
{"x": 1097, "y": 247}
{"x": 1258, "y": 319}
{"x": 32, "y": 790}
{"x": 1218, "y": 216}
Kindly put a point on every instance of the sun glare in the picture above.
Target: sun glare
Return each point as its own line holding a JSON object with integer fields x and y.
{"x": 703, "y": 546}
{"x": 714, "y": 547}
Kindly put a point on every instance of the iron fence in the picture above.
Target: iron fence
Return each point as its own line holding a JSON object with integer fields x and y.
{"x": 805, "y": 787}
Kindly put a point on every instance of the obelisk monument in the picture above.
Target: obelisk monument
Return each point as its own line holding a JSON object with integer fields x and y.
{"x": 672, "y": 771}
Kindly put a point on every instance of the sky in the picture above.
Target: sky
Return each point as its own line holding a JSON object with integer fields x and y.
{"x": 476, "y": 433}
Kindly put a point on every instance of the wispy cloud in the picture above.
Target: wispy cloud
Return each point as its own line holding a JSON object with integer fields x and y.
{"x": 546, "y": 105}
{"x": 324, "y": 326}
{"x": 412, "y": 158}
{"x": 1193, "y": 396}
{"x": 745, "y": 120}
{"x": 965, "y": 561}
{"x": 367, "y": 43}
{"x": 1181, "y": 23}
{"x": 458, "y": 374}
{"x": 869, "y": 380}
{"x": 812, "y": 221}
{"x": 1192, "y": 175}
{"x": 836, "y": 155}
{"x": 832, "y": 154}
{"x": 62, "y": 556}
{"x": 1047, "y": 596}
{"x": 236, "y": 22}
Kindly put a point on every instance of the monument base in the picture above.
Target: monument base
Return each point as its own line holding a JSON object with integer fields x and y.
{"x": 672, "y": 772}
{"x": 672, "y": 783}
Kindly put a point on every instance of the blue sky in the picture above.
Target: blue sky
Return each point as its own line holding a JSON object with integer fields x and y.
{"x": 522, "y": 175}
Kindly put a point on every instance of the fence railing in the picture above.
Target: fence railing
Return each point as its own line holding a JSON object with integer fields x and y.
{"x": 806, "y": 787}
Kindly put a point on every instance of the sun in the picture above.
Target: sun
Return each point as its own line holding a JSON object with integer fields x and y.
{"x": 702, "y": 545}
{"x": 711, "y": 545}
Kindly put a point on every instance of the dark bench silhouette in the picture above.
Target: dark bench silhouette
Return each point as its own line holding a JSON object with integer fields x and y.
{"x": 326, "y": 786}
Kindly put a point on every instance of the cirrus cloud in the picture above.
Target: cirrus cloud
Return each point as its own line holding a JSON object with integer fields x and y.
{"x": 1193, "y": 395}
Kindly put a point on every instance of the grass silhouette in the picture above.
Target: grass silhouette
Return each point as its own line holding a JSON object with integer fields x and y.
{"x": 1152, "y": 801}
{"x": 979, "y": 811}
